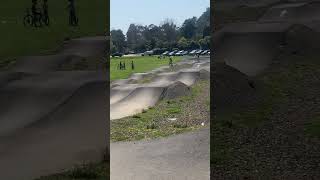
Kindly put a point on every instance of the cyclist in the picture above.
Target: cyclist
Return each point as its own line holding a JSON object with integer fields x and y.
{"x": 45, "y": 10}
{"x": 170, "y": 62}
{"x": 72, "y": 13}
{"x": 35, "y": 13}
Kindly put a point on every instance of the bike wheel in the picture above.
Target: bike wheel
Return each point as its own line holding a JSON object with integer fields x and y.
{"x": 27, "y": 20}
{"x": 46, "y": 21}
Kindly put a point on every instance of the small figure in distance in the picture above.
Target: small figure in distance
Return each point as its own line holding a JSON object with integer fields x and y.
{"x": 132, "y": 65}
{"x": 45, "y": 12}
{"x": 170, "y": 62}
{"x": 120, "y": 65}
{"x": 36, "y": 15}
{"x": 73, "y": 20}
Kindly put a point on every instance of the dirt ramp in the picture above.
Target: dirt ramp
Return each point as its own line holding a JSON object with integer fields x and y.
{"x": 40, "y": 64}
{"x": 139, "y": 99}
{"x": 309, "y": 11}
{"x": 175, "y": 90}
{"x": 7, "y": 77}
{"x": 250, "y": 53}
{"x": 36, "y": 96}
{"x": 75, "y": 132}
{"x": 86, "y": 47}
{"x": 231, "y": 87}
{"x": 301, "y": 39}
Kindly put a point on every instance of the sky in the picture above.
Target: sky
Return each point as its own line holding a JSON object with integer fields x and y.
{"x": 146, "y": 12}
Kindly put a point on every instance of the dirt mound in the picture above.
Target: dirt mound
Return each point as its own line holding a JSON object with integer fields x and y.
{"x": 204, "y": 74}
{"x": 300, "y": 39}
{"x": 75, "y": 132}
{"x": 230, "y": 86}
{"x": 175, "y": 90}
{"x": 77, "y": 54}
{"x": 293, "y": 12}
{"x": 252, "y": 47}
{"x": 250, "y": 53}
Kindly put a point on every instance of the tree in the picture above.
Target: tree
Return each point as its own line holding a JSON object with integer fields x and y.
{"x": 203, "y": 24}
{"x": 170, "y": 32}
{"x": 205, "y": 42}
{"x": 188, "y": 29}
{"x": 118, "y": 40}
{"x": 183, "y": 43}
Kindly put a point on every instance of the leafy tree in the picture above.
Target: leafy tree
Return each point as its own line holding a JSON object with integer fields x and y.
{"x": 188, "y": 29}
{"x": 203, "y": 24}
{"x": 118, "y": 40}
{"x": 183, "y": 43}
{"x": 205, "y": 42}
{"x": 170, "y": 31}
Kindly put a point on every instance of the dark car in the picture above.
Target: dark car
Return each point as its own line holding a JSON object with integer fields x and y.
{"x": 117, "y": 54}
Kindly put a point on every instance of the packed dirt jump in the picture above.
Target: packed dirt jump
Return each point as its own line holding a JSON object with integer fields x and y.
{"x": 127, "y": 97}
{"x": 51, "y": 120}
{"x": 185, "y": 156}
{"x": 244, "y": 50}
{"x": 247, "y": 55}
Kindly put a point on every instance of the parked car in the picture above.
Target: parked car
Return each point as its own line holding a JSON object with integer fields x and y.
{"x": 204, "y": 52}
{"x": 147, "y": 53}
{"x": 173, "y": 52}
{"x": 185, "y": 53}
{"x": 179, "y": 53}
{"x": 165, "y": 53}
{"x": 198, "y": 52}
{"x": 192, "y": 52}
{"x": 117, "y": 54}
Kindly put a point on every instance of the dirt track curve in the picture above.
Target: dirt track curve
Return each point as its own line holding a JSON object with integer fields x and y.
{"x": 50, "y": 119}
{"x": 185, "y": 156}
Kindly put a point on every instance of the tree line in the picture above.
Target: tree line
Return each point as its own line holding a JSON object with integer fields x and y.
{"x": 193, "y": 34}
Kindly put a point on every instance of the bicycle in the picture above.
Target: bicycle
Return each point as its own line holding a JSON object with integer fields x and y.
{"x": 36, "y": 21}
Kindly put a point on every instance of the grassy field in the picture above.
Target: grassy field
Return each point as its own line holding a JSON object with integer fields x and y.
{"x": 141, "y": 63}
{"x": 154, "y": 123}
{"x": 16, "y": 40}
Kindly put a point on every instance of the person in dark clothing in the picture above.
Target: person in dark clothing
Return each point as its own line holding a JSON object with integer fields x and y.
{"x": 132, "y": 65}
{"x": 73, "y": 20}
{"x": 120, "y": 66}
{"x": 170, "y": 62}
{"x": 36, "y": 15}
{"x": 45, "y": 12}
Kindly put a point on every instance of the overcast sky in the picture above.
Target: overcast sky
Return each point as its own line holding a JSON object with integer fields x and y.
{"x": 145, "y": 12}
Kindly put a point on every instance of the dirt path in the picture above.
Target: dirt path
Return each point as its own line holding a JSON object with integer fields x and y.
{"x": 185, "y": 156}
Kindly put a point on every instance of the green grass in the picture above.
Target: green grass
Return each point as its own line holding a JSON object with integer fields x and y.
{"x": 16, "y": 40}
{"x": 313, "y": 128}
{"x": 153, "y": 123}
{"x": 141, "y": 63}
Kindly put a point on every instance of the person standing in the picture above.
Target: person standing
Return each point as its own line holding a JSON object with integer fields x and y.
{"x": 73, "y": 20}
{"x": 36, "y": 15}
{"x": 132, "y": 65}
{"x": 45, "y": 12}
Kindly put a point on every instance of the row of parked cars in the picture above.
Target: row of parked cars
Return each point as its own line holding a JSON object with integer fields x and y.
{"x": 182, "y": 52}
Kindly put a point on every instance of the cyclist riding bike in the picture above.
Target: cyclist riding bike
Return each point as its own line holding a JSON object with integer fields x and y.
{"x": 36, "y": 14}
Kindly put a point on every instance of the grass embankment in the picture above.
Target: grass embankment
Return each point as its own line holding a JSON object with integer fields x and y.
{"x": 288, "y": 109}
{"x": 190, "y": 112}
{"x": 141, "y": 64}
{"x": 17, "y": 40}
{"x": 86, "y": 172}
